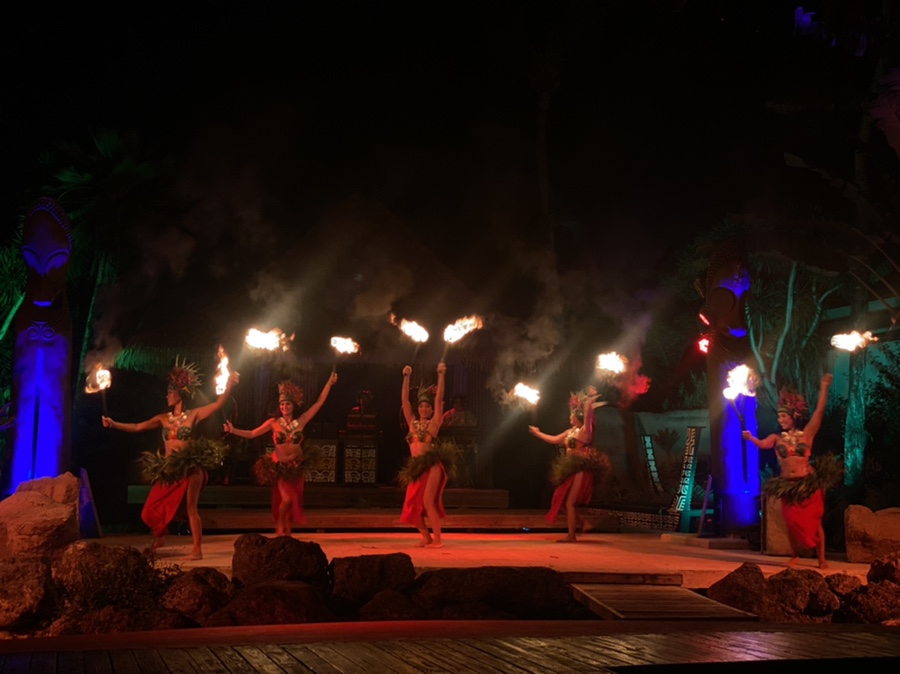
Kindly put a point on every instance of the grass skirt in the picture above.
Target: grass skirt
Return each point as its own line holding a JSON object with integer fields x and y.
{"x": 202, "y": 453}
{"x": 446, "y": 452}
{"x": 267, "y": 471}
{"x": 828, "y": 472}
{"x": 595, "y": 463}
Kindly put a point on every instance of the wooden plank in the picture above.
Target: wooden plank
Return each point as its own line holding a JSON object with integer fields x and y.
{"x": 337, "y": 658}
{"x": 42, "y": 662}
{"x": 512, "y": 653}
{"x": 196, "y": 659}
{"x": 258, "y": 659}
{"x": 97, "y": 662}
{"x": 653, "y": 602}
{"x": 231, "y": 659}
{"x": 282, "y": 658}
{"x": 380, "y": 659}
{"x": 70, "y": 661}
{"x": 463, "y": 655}
{"x": 123, "y": 662}
{"x": 310, "y": 659}
{"x": 151, "y": 662}
{"x": 566, "y": 653}
{"x": 609, "y": 578}
{"x": 420, "y": 655}
{"x": 16, "y": 663}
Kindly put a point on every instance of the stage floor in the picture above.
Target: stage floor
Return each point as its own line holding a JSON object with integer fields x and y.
{"x": 700, "y": 561}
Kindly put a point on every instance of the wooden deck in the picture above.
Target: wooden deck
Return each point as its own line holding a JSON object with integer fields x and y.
{"x": 452, "y": 647}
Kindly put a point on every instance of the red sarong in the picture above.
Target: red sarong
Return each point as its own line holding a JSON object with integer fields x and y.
{"x": 163, "y": 504}
{"x": 296, "y": 489}
{"x": 414, "y": 503}
{"x": 804, "y": 519}
{"x": 560, "y": 494}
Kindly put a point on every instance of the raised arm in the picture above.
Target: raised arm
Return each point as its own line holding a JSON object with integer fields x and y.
{"x": 815, "y": 421}
{"x": 404, "y": 396}
{"x": 552, "y": 439}
{"x": 438, "y": 417}
{"x": 586, "y": 432}
{"x": 202, "y": 412}
{"x": 316, "y": 406}
{"x": 139, "y": 427}
{"x": 249, "y": 435}
{"x": 768, "y": 442}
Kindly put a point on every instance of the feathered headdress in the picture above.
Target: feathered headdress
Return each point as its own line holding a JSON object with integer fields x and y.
{"x": 288, "y": 390}
{"x": 184, "y": 377}
{"x": 427, "y": 393}
{"x": 576, "y": 404}
{"x": 792, "y": 403}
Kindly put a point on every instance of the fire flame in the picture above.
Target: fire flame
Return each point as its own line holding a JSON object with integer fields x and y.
{"x": 853, "y": 341}
{"x": 413, "y": 330}
{"x": 100, "y": 380}
{"x": 462, "y": 327}
{"x": 344, "y": 345}
{"x": 740, "y": 382}
{"x": 271, "y": 340}
{"x": 612, "y": 362}
{"x": 224, "y": 374}
{"x": 527, "y": 393}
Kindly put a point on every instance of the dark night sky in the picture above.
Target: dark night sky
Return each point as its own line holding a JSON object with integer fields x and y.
{"x": 278, "y": 112}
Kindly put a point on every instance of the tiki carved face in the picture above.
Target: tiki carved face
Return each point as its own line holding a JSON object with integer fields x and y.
{"x": 46, "y": 247}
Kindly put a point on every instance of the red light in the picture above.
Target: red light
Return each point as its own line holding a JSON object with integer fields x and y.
{"x": 704, "y": 319}
{"x": 703, "y": 344}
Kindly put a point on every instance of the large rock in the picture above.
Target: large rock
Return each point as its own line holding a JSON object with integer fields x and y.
{"x": 65, "y": 488}
{"x": 25, "y": 592}
{"x": 258, "y": 559}
{"x": 870, "y": 535}
{"x": 798, "y": 596}
{"x": 273, "y": 603}
{"x": 526, "y": 592}
{"x": 111, "y": 619}
{"x": 33, "y": 524}
{"x": 198, "y": 593}
{"x": 885, "y": 568}
{"x": 91, "y": 576}
{"x": 742, "y": 589}
{"x": 872, "y": 604}
{"x": 391, "y": 605}
{"x": 358, "y": 579}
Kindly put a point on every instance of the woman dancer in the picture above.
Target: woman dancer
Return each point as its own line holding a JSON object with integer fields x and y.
{"x": 430, "y": 462}
{"x": 285, "y": 468}
{"x": 801, "y": 487}
{"x": 181, "y": 472}
{"x": 575, "y": 472}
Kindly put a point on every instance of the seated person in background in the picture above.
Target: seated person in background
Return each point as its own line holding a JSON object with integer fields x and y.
{"x": 363, "y": 403}
{"x": 458, "y": 415}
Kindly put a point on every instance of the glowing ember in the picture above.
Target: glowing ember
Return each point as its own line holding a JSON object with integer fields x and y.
{"x": 98, "y": 381}
{"x": 527, "y": 393}
{"x": 270, "y": 341}
{"x": 853, "y": 341}
{"x": 740, "y": 381}
{"x": 344, "y": 345}
{"x": 612, "y": 362}
{"x": 222, "y": 377}
{"x": 413, "y": 330}
{"x": 462, "y": 327}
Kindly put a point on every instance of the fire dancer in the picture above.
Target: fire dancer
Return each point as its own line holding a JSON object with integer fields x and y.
{"x": 800, "y": 486}
{"x": 285, "y": 468}
{"x": 425, "y": 474}
{"x": 576, "y": 471}
{"x": 181, "y": 472}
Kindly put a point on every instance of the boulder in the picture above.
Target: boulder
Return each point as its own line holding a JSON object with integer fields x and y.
{"x": 198, "y": 593}
{"x": 111, "y": 619}
{"x": 885, "y": 568}
{"x": 870, "y": 535}
{"x": 872, "y": 604}
{"x": 26, "y": 592}
{"x": 65, "y": 488}
{"x": 842, "y": 584}
{"x": 798, "y": 596}
{"x": 358, "y": 579}
{"x": 258, "y": 559}
{"x": 391, "y": 605}
{"x": 742, "y": 589}
{"x": 33, "y": 524}
{"x": 526, "y": 592}
{"x": 278, "y": 602}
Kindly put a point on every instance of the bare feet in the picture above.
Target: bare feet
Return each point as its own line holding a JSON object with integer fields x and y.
{"x": 435, "y": 544}
{"x": 424, "y": 543}
{"x": 567, "y": 539}
{"x": 823, "y": 564}
{"x": 195, "y": 555}
{"x": 586, "y": 525}
{"x": 150, "y": 551}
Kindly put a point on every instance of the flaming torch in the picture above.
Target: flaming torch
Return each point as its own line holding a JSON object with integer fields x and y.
{"x": 342, "y": 345}
{"x": 611, "y": 362}
{"x": 100, "y": 380}
{"x": 223, "y": 373}
{"x": 740, "y": 382}
{"x": 462, "y": 327}
{"x": 268, "y": 341}
{"x": 526, "y": 393}
{"x": 853, "y": 341}
{"x": 413, "y": 330}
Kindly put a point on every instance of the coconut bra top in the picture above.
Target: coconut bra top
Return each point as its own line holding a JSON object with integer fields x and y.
{"x": 418, "y": 431}
{"x": 176, "y": 429}
{"x": 572, "y": 441}
{"x": 792, "y": 445}
{"x": 287, "y": 432}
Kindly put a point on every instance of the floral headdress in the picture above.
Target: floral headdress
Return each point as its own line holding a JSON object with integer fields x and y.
{"x": 184, "y": 377}
{"x": 576, "y": 404}
{"x": 792, "y": 403}
{"x": 427, "y": 393}
{"x": 288, "y": 390}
